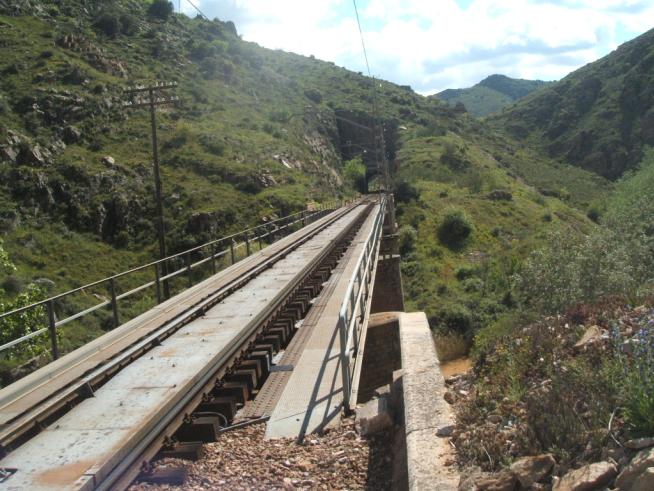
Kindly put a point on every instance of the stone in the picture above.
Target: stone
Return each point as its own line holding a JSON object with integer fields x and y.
{"x": 592, "y": 335}
{"x": 640, "y": 443}
{"x": 374, "y": 416}
{"x": 8, "y": 154}
{"x": 529, "y": 470}
{"x": 495, "y": 419}
{"x": 502, "y": 481}
{"x": 450, "y": 397}
{"x": 445, "y": 430}
{"x": 645, "y": 481}
{"x": 587, "y": 478}
{"x": 108, "y": 160}
{"x": 35, "y": 155}
{"x": 71, "y": 134}
{"x": 641, "y": 461}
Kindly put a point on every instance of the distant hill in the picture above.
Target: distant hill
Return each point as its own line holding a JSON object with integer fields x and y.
{"x": 599, "y": 117}
{"x": 491, "y": 94}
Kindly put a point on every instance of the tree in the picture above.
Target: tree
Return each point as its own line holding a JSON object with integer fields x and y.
{"x": 354, "y": 172}
{"x": 161, "y": 9}
{"x": 19, "y": 325}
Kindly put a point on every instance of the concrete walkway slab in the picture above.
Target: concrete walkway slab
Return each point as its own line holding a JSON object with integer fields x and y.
{"x": 313, "y": 396}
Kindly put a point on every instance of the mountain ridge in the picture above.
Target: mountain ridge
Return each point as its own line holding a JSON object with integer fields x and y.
{"x": 492, "y": 94}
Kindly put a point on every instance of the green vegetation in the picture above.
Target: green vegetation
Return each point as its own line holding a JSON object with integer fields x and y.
{"x": 491, "y": 95}
{"x": 455, "y": 229}
{"x": 599, "y": 117}
{"x": 354, "y": 172}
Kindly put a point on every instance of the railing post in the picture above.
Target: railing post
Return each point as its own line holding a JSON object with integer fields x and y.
{"x": 114, "y": 301}
{"x": 247, "y": 243}
{"x": 52, "y": 327}
{"x": 189, "y": 272}
{"x": 260, "y": 240}
{"x": 345, "y": 363}
{"x": 231, "y": 251}
{"x": 157, "y": 281}
{"x": 213, "y": 258}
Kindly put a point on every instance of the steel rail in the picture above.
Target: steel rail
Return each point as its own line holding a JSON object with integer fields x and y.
{"x": 124, "y": 473}
{"x": 64, "y": 399}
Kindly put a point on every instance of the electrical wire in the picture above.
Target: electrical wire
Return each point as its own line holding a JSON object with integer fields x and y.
{"x": 375, "y": 109}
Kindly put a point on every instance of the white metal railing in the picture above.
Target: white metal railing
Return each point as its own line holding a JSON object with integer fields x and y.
{"x": 212, "y": 252}
{"x": 353, "y": 308}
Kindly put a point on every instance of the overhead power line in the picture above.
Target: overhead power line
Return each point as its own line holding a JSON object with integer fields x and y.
{"x": 382, "y": 164}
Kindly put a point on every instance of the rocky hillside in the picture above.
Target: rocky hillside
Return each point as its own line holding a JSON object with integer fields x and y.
{"x": 256, "y": 133}
{"x": 599, "y": 117}
{"x": 492, "y": 94}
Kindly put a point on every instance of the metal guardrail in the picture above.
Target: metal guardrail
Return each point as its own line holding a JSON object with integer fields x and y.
{"x": 271, "y": 231}
{"x": 353, "y": 308}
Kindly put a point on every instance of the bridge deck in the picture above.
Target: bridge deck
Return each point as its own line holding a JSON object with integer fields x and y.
{"x": 80, "y": 448}
{"x": 312, "y": 396}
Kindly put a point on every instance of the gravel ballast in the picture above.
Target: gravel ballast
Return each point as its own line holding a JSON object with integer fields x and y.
{"x": 242, "y": 459}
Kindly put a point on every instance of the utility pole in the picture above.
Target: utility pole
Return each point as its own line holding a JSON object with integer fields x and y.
{"x": 153, "y": 96}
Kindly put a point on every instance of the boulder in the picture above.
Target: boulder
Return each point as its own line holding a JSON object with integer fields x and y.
{"x": 640, "y": 443}
{"x": 642, "y": 461}
{"x": 108, "y": 160}
{"x": 591, "y": 336}
{"x": 34, "y": 155}
{"x": 587, "y": 478}
{"x": 8, "y": 154}
{"x": 71, "y": 134}
{"x": 529, "y": 470}
{"x": 645, "y": 481}
{"x": 502, "y": 481}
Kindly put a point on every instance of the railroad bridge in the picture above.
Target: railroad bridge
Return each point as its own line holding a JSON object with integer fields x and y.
{"x": 297, "y": 333}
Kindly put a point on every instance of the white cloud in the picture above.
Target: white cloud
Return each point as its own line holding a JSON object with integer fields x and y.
{"x": 435, "y": 44}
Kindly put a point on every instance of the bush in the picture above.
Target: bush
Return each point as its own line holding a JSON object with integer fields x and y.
{"x": 108, "y": 23}
{"x": 455, "y": 229}
{"x": 405, "y": 192}
{"x": 407, "y": 239}
{"x": 161, "y": 9}
{"x": 313, "y": 95}
{"x": 354, "y": 173}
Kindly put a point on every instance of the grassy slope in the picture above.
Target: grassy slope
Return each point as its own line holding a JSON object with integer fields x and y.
{"x": 466, "y": 288}
{"x": 243, "y": 110}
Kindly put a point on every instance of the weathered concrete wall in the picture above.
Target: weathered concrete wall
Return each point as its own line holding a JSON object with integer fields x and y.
{"x": 425, "y": 410}
{"x": 400, "y": 351}
{"x": 381, "y": 355}
{"x": 387, "y": 294}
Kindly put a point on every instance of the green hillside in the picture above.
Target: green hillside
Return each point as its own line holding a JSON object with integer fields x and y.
{"x": 599, "y": 117}
{"x": 256, "y": 134}
{"x": 492, "y": 94}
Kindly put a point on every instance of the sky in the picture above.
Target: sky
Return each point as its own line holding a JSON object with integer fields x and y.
{"x": 433, "y": 45}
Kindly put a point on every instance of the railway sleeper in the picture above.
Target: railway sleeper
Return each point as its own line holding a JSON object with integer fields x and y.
{"x": 192, "y": 451}
{"x": 173, "y": 476}
{"x": 200, "y": 429}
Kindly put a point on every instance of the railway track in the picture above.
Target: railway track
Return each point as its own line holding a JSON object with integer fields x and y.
{"x": 172, "y": 378}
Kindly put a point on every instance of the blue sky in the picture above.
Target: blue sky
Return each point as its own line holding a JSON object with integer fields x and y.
{"x": 437, "y": 44}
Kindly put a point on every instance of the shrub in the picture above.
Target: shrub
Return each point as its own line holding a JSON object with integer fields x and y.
{"x": 108, "y": 23}
{"x": 354, "y": 172}
{"x": 453, "y": 156}
{"x": 161, "y": 9}
{"x": 636, "y": 375}
{"x": 313, "y": 95}
{"x": 466, "y": 271}
{"x": 405, "y": 192}
{"x": 407, "y": 239}
{"x": 455, "y": 229}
